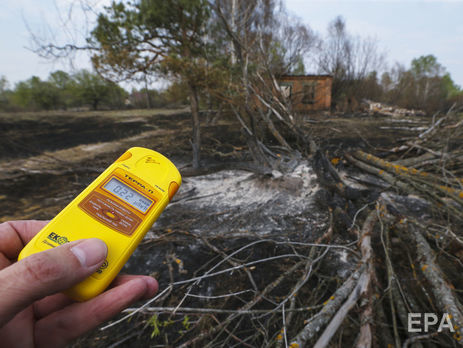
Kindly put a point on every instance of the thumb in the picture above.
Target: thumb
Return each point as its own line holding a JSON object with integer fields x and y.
{"x": 46, "y": 273}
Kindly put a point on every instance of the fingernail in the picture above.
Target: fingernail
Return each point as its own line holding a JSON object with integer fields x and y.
{"x": 90, "y": 252}
{"x": 152, "y": 285}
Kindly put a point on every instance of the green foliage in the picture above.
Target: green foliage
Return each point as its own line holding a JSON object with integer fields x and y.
{"x": 451, "y": 89}
{"x": 176, "y": 94}
{"x": 66, "y": 86}
{"x": 61, "y": 91}
{"x": 4, "y": 93}
{"x": 35, "y": 94}
{"x": 146, "y": 98}
{"x": 157, "y": 324}
{"x": 91, "y": 89}
{"x": 3, "y": 84}
{"x": 148, "y": 36}
{"x": 426, "y": 67}
{"x": 186, "y": 322}
{"x": 141, "y": 37}
{"x": 426, "y": 85}
{"x": 154, "y": 323}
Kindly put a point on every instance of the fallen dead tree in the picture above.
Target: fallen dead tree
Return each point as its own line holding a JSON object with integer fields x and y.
{"x": 389, "y": 110}
{"x": 411, "y": 182}
{"x": 441, "y": 288}
{"x": 357, "y": 286}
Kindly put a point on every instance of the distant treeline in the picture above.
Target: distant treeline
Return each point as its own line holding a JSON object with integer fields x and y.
{"x": 81, "y": 91}
{"x": 426, "y": 85}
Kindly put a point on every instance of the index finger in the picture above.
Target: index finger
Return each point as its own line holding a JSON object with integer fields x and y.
{"x": 14, "y": 235}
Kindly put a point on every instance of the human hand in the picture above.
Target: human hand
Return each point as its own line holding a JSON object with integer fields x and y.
{"x": 33, "y": 312}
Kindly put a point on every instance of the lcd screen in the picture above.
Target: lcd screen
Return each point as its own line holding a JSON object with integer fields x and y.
{"x": 128, "y": 195}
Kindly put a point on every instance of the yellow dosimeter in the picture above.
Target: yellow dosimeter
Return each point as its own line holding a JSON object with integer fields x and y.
{"x": 119, "y": 207}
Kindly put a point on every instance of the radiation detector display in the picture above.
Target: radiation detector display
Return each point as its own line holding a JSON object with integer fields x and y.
{"x": 128, "y": 195}
{"x": 118, "y": 207}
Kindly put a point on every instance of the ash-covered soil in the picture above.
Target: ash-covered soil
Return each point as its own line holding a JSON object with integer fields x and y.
{"x": 234, "y": 204}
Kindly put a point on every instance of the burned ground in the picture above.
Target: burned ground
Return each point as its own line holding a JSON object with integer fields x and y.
{"x": 280, "y": 246}
{"x": 78, "y": 147}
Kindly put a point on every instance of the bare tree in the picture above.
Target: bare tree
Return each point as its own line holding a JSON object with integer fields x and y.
{"x": 349, "y": 59}
{"x": 267, "y": 42}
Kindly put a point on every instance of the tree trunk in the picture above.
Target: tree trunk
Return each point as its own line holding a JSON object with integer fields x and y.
{"x": 147, "y": 93}
{"x": 196, "y": 138}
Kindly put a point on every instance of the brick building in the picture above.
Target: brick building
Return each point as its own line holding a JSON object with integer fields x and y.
{"x": 307, "y": 92}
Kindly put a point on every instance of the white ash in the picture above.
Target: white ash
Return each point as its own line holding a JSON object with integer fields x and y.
{"x": 236, "y": 188}
{"x": 238, "y": 200}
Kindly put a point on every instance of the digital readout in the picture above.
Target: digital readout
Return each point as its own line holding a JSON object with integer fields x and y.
{"x": 128, "y": 195}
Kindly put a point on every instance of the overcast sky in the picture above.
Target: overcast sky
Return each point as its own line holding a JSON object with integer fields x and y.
{"x": 404, "y": 30}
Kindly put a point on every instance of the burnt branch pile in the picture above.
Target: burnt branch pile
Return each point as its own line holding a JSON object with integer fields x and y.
{"x": 414, "y": 236}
